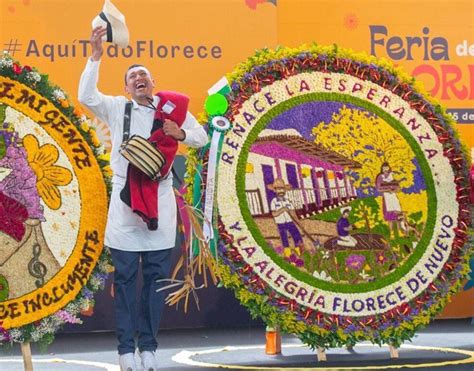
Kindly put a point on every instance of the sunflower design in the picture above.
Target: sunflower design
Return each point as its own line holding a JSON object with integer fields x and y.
{"x": 49, "y": 176}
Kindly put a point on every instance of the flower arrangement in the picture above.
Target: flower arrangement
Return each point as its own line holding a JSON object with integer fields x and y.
{"x": 33, "y": 177}
{"x": 319, "y": 310}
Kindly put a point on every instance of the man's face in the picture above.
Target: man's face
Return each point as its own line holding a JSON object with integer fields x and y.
{"x": 280, "y": 192}
{"x": 139, "y": 83}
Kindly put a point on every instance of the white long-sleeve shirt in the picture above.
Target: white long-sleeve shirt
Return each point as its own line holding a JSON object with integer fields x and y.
{"x": 125, "y": 230}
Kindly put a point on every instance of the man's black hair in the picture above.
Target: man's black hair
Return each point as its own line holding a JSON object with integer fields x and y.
{"x": 129, "y": 68}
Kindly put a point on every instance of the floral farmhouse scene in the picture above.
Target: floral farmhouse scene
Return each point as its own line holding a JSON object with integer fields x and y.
{"x": 358, "y": 212}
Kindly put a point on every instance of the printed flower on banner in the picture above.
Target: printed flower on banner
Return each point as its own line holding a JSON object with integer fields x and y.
{"x": 252, "y": 4}
{"x": 351, "y": 21}
{"x": 355, "y": 261}
{"x": 49, "y": 176}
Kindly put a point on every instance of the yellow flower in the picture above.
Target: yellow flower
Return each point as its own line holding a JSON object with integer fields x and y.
{"x": 108, "y": 171}
{"x": 48, "y": 176}
{"x": 85, "y": 126}
{"x": 64, "y": 103}
{"x": 94, "y": 138}
{"x": 104, "y": 157}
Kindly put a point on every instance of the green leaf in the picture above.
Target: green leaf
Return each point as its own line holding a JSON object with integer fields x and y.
{"x": 4, "y": 289}
{"x": 3, "y": 147}
{"x": 2, "y": 113}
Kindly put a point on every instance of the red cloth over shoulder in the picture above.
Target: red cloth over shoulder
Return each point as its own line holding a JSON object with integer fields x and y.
{"x": 142, "y": 191}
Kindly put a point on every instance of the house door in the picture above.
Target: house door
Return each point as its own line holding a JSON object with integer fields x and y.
{"x": 292, "y": 175}
{"x": 268, "y": 178}
{"x": 316, "y": 187}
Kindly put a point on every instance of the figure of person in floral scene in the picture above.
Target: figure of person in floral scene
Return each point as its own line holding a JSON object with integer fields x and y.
{"x": 344, "y": 227}
{"x": 388, "y": 187}
{"x": 283, "y": 212}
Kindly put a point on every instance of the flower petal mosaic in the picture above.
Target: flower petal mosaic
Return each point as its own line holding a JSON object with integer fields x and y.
{"x": 342, "y": 197}
{"x": 53, "y": 205}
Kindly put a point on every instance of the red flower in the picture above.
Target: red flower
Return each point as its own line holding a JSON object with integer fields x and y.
{"x": 27, "y": 68}
{"x": 12, "y": 214}
{"x": 252, "y": 4}
{"x": 380, "y": 257}
{"x": 17, "y": 68}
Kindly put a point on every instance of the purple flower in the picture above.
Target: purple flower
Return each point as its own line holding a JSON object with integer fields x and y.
{"x": 292, "y": 258}
{"x": 21, "y": 183}
{"x": 355, "y": 261}
{"x": 299, "y": 263}
{"x": 67, "y": 317}
{"x": 88, "y": 294}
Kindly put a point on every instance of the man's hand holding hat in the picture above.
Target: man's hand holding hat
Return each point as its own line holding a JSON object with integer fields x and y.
{"x": 96, "y": 42}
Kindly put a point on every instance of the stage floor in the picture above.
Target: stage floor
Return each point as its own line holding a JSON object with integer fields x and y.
{"x": 243, "y": 348}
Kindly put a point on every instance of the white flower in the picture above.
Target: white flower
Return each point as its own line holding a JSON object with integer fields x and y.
{"x": 364, "y": 275}
{"x": 58, "y": 94}
{"x": 325, "y": 254}
{"x": 100, "y": 150}
{"x": 33, "y": 76}
{"x": 16, "y": 335}
{"x": 6, "y": 62}
{"x": 322, "y": 275}
{"x": 73, "y": 308}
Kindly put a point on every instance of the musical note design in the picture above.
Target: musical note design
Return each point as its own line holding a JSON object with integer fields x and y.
{"x": 35, "y": 267}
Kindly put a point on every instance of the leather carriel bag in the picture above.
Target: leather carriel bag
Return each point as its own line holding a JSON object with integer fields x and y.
{"x": 140, "y": 152}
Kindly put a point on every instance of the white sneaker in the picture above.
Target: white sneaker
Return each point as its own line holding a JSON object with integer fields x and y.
{"x": 127, "y": 362}
{"x": 149, "y": 361}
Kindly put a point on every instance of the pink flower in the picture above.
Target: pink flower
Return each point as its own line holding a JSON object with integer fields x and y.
{"x": 279, "y": 249}
{"x": 355, "y": 261}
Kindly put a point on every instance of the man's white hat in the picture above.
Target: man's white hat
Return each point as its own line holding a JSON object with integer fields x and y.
{"x": 114, "y": 21}
{"x": 345, "y": 208}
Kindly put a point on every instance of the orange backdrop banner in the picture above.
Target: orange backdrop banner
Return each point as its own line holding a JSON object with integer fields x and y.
{"x": 190, "y": 45}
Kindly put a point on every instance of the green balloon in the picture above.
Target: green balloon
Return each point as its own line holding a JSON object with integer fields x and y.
{"x": 216, "y": 104}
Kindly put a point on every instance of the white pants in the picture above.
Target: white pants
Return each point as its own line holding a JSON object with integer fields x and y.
{"x": 348, "y": 241}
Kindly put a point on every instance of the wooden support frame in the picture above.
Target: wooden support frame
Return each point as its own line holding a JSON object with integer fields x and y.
{"x": 26, "y": 353}
{"x": 321, "y": 354}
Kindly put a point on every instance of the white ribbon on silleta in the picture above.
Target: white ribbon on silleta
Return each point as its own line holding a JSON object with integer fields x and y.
{"x": 220, "y": 125}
